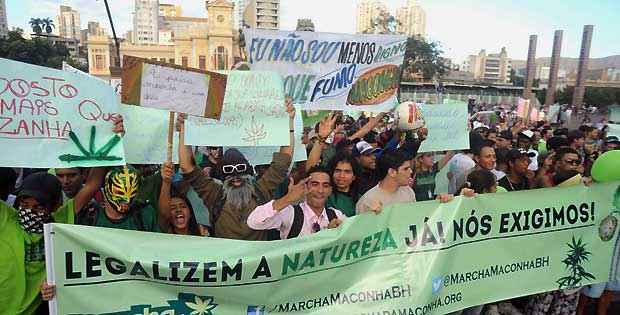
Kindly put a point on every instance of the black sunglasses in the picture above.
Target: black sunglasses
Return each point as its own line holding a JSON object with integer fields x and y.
{"x": 316, "y": 227}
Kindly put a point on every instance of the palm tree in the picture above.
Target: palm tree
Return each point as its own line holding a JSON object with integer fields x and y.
{"x": 36, "y": 25}
{"x": 49, "y": 25}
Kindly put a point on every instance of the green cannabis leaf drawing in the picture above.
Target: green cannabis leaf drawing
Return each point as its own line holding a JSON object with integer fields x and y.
{"x": 201, "y": 307}
{"x": 255, "y": 132}
{"x": 576, "y": 257}
{"x": 91, "y": 154}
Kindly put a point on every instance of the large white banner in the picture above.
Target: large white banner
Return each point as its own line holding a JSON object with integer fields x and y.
{"x": 331, "y": 71}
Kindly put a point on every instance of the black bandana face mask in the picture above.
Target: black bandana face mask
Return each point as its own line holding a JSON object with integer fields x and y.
{"x": 32, "y": 221}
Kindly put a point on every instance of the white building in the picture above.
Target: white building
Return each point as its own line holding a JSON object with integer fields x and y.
{"x": 367, "y": 12}
{"x": 239, "y": 10}
{"x": 68, "y": 23}
{"x": 4, "y": 26}
{"x": 492, "y": 68}
{"x": 145, "y": 22}
{"x": 412, "y": 19}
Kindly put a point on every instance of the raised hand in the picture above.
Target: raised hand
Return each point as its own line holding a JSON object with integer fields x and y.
{"x": 296, "y": 191}
{"x": 119, "y": 127}
{"x": 48, "y": 291}
{"x": 290, "y": 109}
{"x": 167, "y": 172}
{"x": 326, "y": 126}
{"x": 335, "y": 223}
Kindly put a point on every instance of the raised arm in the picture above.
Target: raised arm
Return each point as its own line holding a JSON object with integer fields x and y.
{"x": 370, "y": 125}
{"x": 96, "y": 175}
{"x": 326, "y": 126}
{"x": 290, "y": 109}
{"x": 209, "y": 191}
{"x": 167, "y": 172}
{"x": 445, "y": 159}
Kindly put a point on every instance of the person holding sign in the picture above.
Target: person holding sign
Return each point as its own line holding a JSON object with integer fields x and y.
{"x": 311, "y": 216}
{"x": 39, "y": 201}
{"x": 230, "y": 202}
{"x": 176, "y": 215}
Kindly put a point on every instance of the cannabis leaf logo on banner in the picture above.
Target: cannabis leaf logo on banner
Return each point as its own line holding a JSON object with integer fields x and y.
{"x": 576, "y": 257}
{"x": 200, "y": 306}
{"x": 92, "y": 154}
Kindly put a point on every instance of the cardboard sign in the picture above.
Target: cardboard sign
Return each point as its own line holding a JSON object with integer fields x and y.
{"x": 166, "y": 86}
{"x": 52, "y": 118}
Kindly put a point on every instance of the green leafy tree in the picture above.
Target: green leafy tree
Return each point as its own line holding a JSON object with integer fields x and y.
{"x": 49, "y": 25}
{"x": 423, "y": 58}
{"x": 37, "y": 51}
{"x": 35, "y": 23}
{"x": 515, "y": 79}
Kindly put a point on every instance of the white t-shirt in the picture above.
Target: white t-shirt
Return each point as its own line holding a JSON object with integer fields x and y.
{"x": 376, "y": 194}
{"x": 459, "y": 166}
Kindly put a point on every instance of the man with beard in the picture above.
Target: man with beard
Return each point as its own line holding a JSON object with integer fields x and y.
{"x": 309, "y": 217}
{"x": 231, "y": 202}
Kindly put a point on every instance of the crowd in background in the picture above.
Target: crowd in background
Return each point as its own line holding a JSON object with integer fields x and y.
{"x": 354, "y": 167}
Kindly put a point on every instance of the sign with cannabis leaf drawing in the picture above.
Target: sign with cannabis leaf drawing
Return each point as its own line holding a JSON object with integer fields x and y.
{"x": 52, "y": 118}
{"x": 253, "y": 115}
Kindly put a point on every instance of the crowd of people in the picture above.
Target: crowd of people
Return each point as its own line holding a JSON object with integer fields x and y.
{"x": 354, "y": 167}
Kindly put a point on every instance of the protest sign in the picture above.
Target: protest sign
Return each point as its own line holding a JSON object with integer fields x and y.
{"x": 167, "y": 86}
{"x": 254, "y": 114}
{"x": 53, "y": 118}
{"x": 420, "y": 258}
{"x": 614, "y": 113}
{"x": 146, "y": 135}
{"x": 264, "y": 155}
{"x": 114, "y": 82}
{"x": 614, "y": 130}
{"x": 447, "y": 127}
{"x": 331, "y": 71}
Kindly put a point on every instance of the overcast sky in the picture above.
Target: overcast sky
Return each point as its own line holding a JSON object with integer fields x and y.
{"x": 462, "y": 26}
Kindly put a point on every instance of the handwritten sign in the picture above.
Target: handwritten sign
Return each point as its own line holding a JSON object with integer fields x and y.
{"x": 253, "y": 115}
{"x": 614, "y": 130}
{"x": 331, "y": 71}
{"x": 447, "y": 127}
{"x": 614, "y": 113}
{"x": 171, "y": 87}
{"x": 264, "y": 155}
{"x": 52, "y": 118}
{"x": 146, "y": 134}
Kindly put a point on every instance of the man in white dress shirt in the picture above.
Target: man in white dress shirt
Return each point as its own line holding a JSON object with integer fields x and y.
{"x": 308, "y": 217}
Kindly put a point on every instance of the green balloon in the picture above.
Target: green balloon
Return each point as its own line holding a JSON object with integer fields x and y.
{"x": 501, "y": 189}
{"x": 607, "y": 167}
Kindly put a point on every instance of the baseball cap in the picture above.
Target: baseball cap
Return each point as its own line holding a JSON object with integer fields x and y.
{"x": 527, "y": 133}
{"x": 514, "y": 154}
{"x": 363, "y": 148}
{"x": 43, "y": 187}
{"x": 506, "y": 134}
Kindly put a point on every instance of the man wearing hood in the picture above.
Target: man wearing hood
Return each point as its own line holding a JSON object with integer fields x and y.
{"x": 230, "y": 202}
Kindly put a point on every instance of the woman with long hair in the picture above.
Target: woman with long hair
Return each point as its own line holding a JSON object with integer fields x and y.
{"x": 345, "y": 171}
{"x": 176, "y": 215}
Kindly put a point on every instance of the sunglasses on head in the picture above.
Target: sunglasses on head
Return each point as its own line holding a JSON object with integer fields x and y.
{"x": 229, "y": 169}
{"x": 316, "y": 227}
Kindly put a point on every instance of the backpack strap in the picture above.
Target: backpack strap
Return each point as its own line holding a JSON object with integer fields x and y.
{"x": 331, "y": 214}
{"x": 298, "y": 222}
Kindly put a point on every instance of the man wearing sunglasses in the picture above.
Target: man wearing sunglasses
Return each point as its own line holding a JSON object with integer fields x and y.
{"x": 567, "y": 159}
{"x": 309, "y": 217}
{"x": 231, "y": 201}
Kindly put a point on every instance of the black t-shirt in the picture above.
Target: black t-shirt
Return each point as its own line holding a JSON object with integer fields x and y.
{"x": 510, "y": 186}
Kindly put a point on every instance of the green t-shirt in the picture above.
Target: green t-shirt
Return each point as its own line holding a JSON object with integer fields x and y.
{"x": 342, "y": 202}
{"x": 147, "y": 215}
{"x": 542, "y": 147}
{"x": 22, "y": 262}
